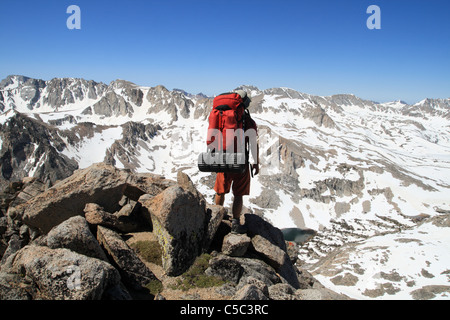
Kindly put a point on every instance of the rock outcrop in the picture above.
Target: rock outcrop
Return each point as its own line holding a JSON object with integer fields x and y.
{"x": 58, "y": 274}
{"x": 70, "y": 242}
{"x": 74, "y": 234}
{"x": 133, "y": 271}
{"x": 101, "y": 184}
{"x": 178, "y": 220}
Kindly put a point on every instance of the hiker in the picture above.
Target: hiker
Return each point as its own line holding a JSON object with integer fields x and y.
{"x": 239, "y": 183}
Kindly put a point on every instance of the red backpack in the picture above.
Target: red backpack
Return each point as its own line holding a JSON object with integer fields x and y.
{"x": 226, "y": 155}
{"x": 227, "y": 113}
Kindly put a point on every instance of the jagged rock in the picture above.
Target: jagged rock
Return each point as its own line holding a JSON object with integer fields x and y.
{"x": 63, "y": 91}
{"x": 134, "y": 272}
{"x": 186, "y": 183}
{"x": 277, "y": 258}
{"x": 112, "y": 104}
{"x": 63, "y": 274}
{"x": 249, "y": 292}
{"x": 74, "y": 234}
{"x": 178, "y": 220}
{"x": 126, "y": 220}
{"x": 95, "y": 215}
{"x": 214, "y": 216}
{"x": 320, "y": 117}
{"x": 235, "y": 245}
{"x": 258, "y": 226}
{"x": 165, "y": 100}
{"x": 100, "y": 183}
{"x": 129, "y": 89}
{"x": 123, "y": 151}
{"x": 268, "y": 241}
{"x": 258, "y": 269}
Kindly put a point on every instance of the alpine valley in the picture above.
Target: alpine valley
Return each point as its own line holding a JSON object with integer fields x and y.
{"x": 367, "y": 183}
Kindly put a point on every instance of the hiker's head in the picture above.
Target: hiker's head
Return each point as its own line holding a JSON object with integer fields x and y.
{"x": 244, "y": 97}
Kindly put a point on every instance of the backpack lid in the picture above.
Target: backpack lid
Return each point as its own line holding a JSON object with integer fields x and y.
{"x": 245, "y": 98}
{"x": 242, "y": 93}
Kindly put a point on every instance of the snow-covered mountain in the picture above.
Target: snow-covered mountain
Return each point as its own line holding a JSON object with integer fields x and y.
{"x": 373, "y": 180}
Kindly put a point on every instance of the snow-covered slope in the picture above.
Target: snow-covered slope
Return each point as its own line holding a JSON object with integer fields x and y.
{"x": 359, "y": 173}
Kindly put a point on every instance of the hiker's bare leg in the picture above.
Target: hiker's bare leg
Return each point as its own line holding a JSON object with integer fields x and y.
{"x": 220, "y": 199}
{"x": 237, "y": 207}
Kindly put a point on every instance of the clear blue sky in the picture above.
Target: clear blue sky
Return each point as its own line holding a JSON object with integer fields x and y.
{"x": 320, "y": 47}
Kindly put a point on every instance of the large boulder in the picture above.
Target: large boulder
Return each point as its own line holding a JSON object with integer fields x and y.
{"x": 214, "y": 213}
{"x": 277, "y": 258}
{"x": 238, "y": 270}
{"x": 256, "y": 225}
{"x": 178, "y": 219}
{"x": 268, "y": 241}
{"x": 100, "y": 183}
{"x": 136, "y": 275}
{"x": 74, "y": 234}
{"x": 235, "y": 245}
{"x": 61, "y": 274}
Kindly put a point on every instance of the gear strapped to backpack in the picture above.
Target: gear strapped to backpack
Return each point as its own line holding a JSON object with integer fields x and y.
{"x": 226, "y": 147}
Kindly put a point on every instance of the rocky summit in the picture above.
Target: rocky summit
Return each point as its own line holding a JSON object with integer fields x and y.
{"x": 75, "y": 241}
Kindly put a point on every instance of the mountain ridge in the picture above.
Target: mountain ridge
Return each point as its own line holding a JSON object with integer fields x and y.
{"x": 119, "y": 83}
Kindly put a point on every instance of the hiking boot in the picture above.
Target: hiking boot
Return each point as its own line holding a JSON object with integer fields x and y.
{"x": 237, "y": 228}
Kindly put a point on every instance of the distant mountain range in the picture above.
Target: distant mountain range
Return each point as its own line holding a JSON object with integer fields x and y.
{"x": 370, "y": 178}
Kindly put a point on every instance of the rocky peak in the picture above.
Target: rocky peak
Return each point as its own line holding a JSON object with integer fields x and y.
{"x": 112, "y": 104}
{"x": 30, "y": 148}
{"x": 175, "y": 103}
{"x": 286, "y": 93}
{"x": 349, "y": 100}
{"x": 11, "y": 80}
{"x": 252, "y": 91}
{"x": 129, "y": 90}
{"x": 430, "y": 107}
{"x": 81, "y": 226}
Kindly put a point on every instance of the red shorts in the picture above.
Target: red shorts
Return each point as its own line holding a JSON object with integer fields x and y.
{"x": 240, "y": 182}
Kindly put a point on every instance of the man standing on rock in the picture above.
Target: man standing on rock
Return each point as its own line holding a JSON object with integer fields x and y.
{"x": 239, "y": 183}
